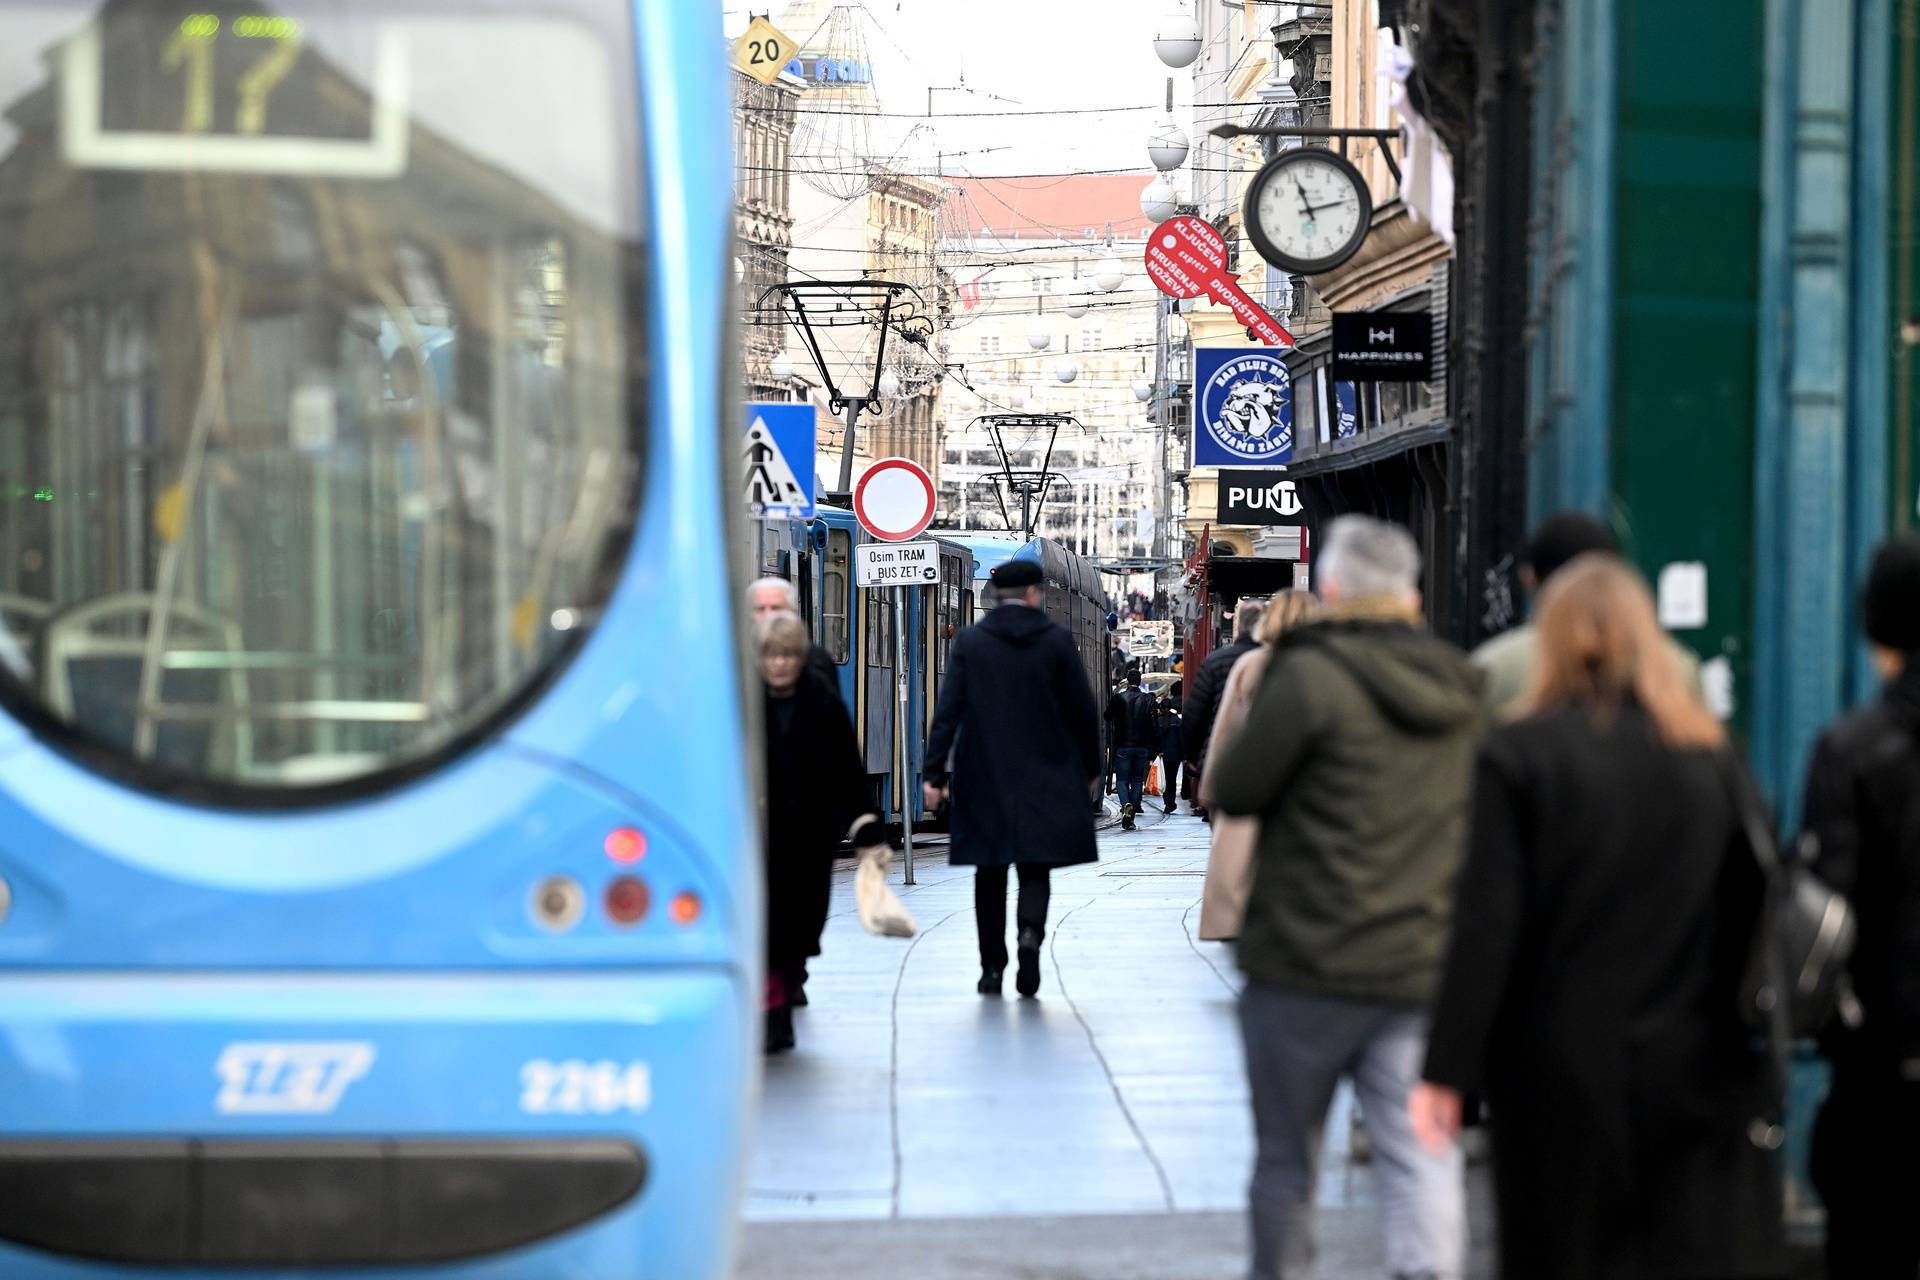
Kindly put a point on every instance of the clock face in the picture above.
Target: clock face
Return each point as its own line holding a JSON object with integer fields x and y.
{"x": 1308, "y": 211}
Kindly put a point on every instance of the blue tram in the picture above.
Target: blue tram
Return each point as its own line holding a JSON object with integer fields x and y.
{"x": 1075, "y": 597}
{"x": 858, "y": 629}
{"x": 360, "y": 371}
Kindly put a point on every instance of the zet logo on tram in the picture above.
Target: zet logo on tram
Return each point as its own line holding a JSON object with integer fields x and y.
{"x": 289, "y": 1078}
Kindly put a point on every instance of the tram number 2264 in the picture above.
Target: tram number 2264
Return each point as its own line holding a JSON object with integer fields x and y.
{"x": 577, "y": 1088}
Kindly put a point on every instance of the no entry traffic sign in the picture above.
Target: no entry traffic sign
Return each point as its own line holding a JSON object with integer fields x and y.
{"x": 894, "y": 499}
{"x": 1187, "y": 259}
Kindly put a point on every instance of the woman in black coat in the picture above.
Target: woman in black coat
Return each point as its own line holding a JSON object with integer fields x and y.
{"x": 816, "y": 797}
{"x": 1603, "y": 920}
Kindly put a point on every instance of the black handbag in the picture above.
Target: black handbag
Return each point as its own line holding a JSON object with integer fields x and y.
{"x": 1796, "y": 980}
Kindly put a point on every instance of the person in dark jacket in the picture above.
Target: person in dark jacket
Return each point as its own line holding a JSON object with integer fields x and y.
{"x": 816, "y": 797}
{"x": 1134, "y": 719}
{"x": 1607, "y": 909}
{"x": 1862, "y": 829}
{"x": 1356, "y": 754}
{"x": 1018, "y": 724}
{"x": 768, "y": 597}
{"x": 1210, "y": 681}
{"x": 1172, "y": 747}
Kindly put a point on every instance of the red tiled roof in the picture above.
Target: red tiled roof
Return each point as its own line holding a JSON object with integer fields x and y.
{"x": 1054, "y": 208}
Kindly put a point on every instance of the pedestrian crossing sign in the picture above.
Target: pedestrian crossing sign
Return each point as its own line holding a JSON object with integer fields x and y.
{"x": 778, "y": 459}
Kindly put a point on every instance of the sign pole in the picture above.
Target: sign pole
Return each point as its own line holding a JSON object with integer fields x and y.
{"x": 910, "y": 782}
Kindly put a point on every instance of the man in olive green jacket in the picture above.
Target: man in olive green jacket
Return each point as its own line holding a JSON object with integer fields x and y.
{"x": 1357, "y": 757}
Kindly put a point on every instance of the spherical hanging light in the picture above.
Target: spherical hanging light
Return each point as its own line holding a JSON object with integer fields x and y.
{"x": 1039, "y": 335}
{"x": 1066, "y": 371}
{"x": 1167, "y": 145}
{"x": 889, "y": 385}
{"x": 781, "y": 367}
{"x": 1110, "y": 274}
{"x": 1142, "y": 390}
{"x": 1076, "y": 304}
{"x": 1176, "y": 38}
{"x": 1159, "y": 201}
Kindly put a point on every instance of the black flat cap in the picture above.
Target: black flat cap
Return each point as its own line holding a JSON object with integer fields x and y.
{"x": 1892, "y": 603}
{"x": 1018, "y": 573}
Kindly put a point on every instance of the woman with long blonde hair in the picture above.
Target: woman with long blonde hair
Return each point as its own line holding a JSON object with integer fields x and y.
{"x": 1601, "y": 926}
{"x": 1223, "y": 899}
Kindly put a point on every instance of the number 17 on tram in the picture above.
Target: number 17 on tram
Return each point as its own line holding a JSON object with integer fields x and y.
{"x": 377, "y": 871}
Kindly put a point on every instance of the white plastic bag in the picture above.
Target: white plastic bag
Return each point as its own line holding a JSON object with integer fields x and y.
{"x": 881, "y": 910}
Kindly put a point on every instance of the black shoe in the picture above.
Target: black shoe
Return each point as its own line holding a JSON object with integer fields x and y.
{"x": 779, "y": 1036}
{"x": 1027, "y": 982}
{"x": 990, "y": 982}
{"x": 1170, "y": 809}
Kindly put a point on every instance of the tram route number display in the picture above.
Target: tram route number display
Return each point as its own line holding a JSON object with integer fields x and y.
{"x": 896, "y": 564}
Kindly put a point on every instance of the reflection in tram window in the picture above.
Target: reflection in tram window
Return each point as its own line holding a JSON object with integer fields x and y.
{"x": 317, "y": 374}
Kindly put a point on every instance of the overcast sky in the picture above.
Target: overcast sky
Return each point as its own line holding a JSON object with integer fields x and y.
{"x": 1017, "y": 55}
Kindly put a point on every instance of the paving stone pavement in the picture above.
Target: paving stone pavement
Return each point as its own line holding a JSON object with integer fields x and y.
{"x": 1103, "y": 1127}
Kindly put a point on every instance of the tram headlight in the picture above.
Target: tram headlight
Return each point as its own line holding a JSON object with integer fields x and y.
{"x": 559, "y": 902}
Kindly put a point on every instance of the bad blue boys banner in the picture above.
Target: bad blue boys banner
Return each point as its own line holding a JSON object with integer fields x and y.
{"x": 1243, "y": 407}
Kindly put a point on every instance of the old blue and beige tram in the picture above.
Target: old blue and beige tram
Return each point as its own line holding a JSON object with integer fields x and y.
{"x": 858, "y": 630}
{"x": 378, "y": 888}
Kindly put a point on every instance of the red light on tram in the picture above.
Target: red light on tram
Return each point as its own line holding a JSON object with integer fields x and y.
{"x": 627, "y": 900}
{"x": 624, "y": 844}
{"x": 685, "y": 908}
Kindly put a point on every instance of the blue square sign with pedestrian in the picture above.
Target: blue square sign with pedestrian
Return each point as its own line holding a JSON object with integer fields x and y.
{"x": 777, "y": 455}
{"x": 1242, "y": 407}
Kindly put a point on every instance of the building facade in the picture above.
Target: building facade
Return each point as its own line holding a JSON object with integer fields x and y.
{"x": 1039, "y": 247}
{"x": 763, "y": 122}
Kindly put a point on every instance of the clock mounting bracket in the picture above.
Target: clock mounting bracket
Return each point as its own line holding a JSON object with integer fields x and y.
{"x": 1344, "y": 136}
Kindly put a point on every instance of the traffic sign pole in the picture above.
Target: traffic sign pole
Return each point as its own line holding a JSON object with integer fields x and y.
{"x": 910, "y": 780}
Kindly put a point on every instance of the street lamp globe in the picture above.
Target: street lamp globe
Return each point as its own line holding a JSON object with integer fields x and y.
{"x": 781, "y": 367}
{"x": 889, "y": 385}
{"x": 1039, "y": 336}
{"x": 1110, "y": 274}
{"x": 1167, "y": 145}
{"x": 1066, "y": 371}
{"x": 1142, "y": 390}
{"x": 1159, "y": 201}
{"x": 1076, "y": 305}
{"x": 1176, "y": 38}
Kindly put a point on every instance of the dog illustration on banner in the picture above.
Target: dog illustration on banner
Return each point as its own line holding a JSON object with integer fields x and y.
{"x": 1244, "y": 409}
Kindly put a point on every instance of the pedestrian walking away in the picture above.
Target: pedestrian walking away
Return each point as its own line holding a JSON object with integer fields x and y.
{"x": 1173, "y": 752}
{"x": 1016, "y": 736}
{"x": 1135, "y": 719}
{"x": 1608, "y": 906}
{"x": 1210, "y": 681}
{"x": 1355, "y": 757}
{"x": 1862, "y": 832}
{"x": 1223, "y": 896}
{"x": 816, "y": 797}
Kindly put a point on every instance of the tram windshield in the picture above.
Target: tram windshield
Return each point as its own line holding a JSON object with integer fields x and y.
{"x": 319, "y": 370}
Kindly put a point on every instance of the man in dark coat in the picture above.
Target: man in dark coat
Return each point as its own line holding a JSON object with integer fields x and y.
{"x": 1210, "y": 682}
{"x": 1356, "y": 756}
{"x": 1134, "y": 720}
{"x": 1018, "y": 722}
{"x": 1863, "y": 831}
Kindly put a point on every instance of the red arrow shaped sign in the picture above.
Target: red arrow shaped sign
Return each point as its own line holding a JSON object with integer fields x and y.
{"x": 1187, "y": 259}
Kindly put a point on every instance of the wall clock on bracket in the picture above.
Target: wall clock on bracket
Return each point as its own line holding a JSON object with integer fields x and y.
{"x": 1308, "y": 210}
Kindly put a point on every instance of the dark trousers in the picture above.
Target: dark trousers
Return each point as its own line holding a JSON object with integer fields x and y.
{"x": 1131, "y": 764}
{"x": 1863, "y": 1170}
{"x": 1171, "y": 787}
{"x": 990, "y": 908}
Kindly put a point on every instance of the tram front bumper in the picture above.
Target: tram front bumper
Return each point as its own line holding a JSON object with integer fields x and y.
{"x": 317, "y": 1202}
{"x": 361, "y": 1119}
